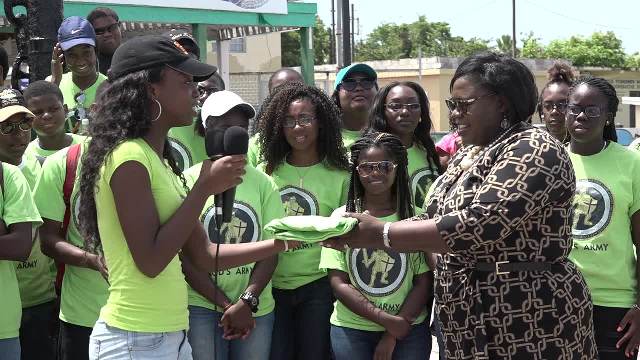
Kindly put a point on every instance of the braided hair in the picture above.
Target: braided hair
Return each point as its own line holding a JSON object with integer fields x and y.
{"x": 608, "y": 91}
{"x": 378, "y": 121}
{"x": 394, "y": 148}
{"x": 558, "y": 73}
{"x": 122, "y": 113}
{"x": 273, "y": 144}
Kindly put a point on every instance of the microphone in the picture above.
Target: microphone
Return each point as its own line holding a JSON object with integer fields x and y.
{"x": 236, "y": 142}
{"x": 219, "y": 143}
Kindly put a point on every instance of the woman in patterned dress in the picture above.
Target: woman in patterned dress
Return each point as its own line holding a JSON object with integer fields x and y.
{"x": 501, "y": 217}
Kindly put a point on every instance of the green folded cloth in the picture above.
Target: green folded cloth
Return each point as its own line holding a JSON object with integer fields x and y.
{"x": 310, "y": 229}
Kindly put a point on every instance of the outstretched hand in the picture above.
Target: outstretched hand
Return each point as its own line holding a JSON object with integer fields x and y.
{"x": 367, "y": 234}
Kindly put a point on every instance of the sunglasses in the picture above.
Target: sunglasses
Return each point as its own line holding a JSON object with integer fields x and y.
{"x": 395, "y": 107}
{"x": 352, "y": 84}
{"x": 110, "y": 28}
{"x": 462, "y": 105}
{"x": 9, "y": 128}
{"x": 303, "y": 121}
{"x": 590, "y": 111}
{"x": 560, "y": 106}
{"x": 385, "y": 167}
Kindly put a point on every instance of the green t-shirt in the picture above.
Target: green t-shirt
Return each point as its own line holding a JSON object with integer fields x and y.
{"x": 322, "y": 191}
{"x": 187, "y": 146}
{"x": 421, "y": 175}
{"x": 384, "y": 277}
{"x": 137, "y": 302}
{"x": 257, "y": 202}
{"x": 16, "y": 206}
{"x": 607, "y": 195}
{"x": 35, "y": 276}
{"x": 74, "y": 102}
{"x": 253, "y": 153}
{"x": 349, "y": 137}
{"x": 41, "y": 154}
{"x": 84, "y": 291}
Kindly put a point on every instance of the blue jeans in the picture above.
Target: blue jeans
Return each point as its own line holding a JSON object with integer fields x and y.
{"x": 301, "y": 328}
{"x": 205, "y": 337}
{"x": 110, "y": 343}
{"x": 352, "y": 344}
{"x": 10, "y": 349}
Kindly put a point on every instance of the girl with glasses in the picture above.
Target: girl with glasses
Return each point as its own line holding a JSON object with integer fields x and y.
{"x": 381, "y": 311}
{"x": 300, "y": 142}
{"x": 606, "y": 216}
{"x": 552, "y": 103}
{"x": 402, "y": 109}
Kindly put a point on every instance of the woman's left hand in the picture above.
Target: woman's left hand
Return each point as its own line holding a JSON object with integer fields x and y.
{"x": 385, "y": 347}
{"x": 367, "y": 234}
{"x": 632, "y": 336}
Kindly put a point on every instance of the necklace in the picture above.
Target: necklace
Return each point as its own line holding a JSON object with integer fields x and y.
{"x": 476, "y": 151}
{"x": 302, "y": 175}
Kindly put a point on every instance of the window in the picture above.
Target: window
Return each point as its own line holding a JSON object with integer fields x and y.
{"x": 238, "y": 45}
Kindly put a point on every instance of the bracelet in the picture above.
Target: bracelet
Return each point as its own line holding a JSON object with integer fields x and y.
{"x": 385, "y": 235}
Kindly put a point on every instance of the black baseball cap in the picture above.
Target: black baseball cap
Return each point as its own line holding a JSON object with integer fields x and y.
{"x": 184, "y": 37}
{"x": 144, "y": 52}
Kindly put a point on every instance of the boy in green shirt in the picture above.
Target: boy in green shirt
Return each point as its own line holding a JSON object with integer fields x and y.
{"x": 241, "y": 300}
{"x": 46, "y": 102}
{"x": 32, "y": 272}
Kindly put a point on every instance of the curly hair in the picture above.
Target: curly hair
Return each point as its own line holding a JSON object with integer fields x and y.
{"x": 609, "y": 92}
{"x": 378, "y": 121}
{"x": 273, "y": 144}
{"x": 393, "y": 147}
{"x": 504, "y": 76}
{"x": 122, "y": 114}
{"x": 558, "y": 73}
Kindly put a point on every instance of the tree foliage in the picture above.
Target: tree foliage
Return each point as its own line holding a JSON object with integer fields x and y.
{"x": 396, "y": 41}
{"x": 290, "y": 44}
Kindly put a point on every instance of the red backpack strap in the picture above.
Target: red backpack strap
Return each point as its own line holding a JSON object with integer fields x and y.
{"x": 73, "y": 156}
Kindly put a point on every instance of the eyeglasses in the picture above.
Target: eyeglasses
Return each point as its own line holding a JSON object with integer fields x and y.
{"x": 462, "y": 105}
{"x": 7, "y": 128}
{"x": 110, "y": 28}
{"x": 303, "y": 121}
{"x": 365, "y": 169}
{"x": 352, "y": 84}
{"x": 590, "y": 111}
{"x": 395, "y": 107}
{"x": 560, "y": 106}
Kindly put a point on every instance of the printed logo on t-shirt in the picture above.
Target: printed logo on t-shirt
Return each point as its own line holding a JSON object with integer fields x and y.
{"x": 592, "y": 208}
{"x": 421, "y": 181}
{"x": 377, "y": 272}
{"x": 180, "y": 153}
{"x": 298, "y": 201}
{"x": 244, "y": 226}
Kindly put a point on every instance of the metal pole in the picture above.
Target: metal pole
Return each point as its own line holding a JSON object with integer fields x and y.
{"x": 332, "y": 39}
{"x": 513, "y": 32}
{"x": 353, "y": 31}
{"x": 346, "y": 34}
{"x": 339, "y": 53}
{"x": 36, "y": 35}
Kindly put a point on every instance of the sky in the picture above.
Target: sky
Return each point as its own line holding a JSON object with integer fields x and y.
{"x": 489, "y": 19}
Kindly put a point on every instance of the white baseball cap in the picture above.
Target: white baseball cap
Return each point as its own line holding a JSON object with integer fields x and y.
{"x": 220, "y": 102}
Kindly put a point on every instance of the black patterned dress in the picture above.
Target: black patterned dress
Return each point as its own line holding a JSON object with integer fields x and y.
{"x": 513, "y": 204}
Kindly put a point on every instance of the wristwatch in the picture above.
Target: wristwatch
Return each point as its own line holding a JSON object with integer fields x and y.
{"x": 250, "y": 300}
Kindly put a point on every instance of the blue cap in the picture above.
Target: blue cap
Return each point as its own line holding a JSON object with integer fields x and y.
{"x": 76, "y": 30}
{"x": 353, "y": 68}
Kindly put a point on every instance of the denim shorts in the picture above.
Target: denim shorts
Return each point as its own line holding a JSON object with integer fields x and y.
{"x": 110, "y": 343}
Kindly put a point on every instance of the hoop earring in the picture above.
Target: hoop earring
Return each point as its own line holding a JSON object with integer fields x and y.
{"x": 504, "y": 124}
{"x": 159, "y": 110}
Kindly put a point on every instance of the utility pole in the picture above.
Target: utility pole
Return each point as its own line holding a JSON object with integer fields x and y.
{"x": 513, "y": 32}
{"x": 332, "y": 39}
{"x": 346, "y": 34}
{"x": 339, "y": 38}
{"x": 36, "y": 35}
{"x": 353, "y": 31}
